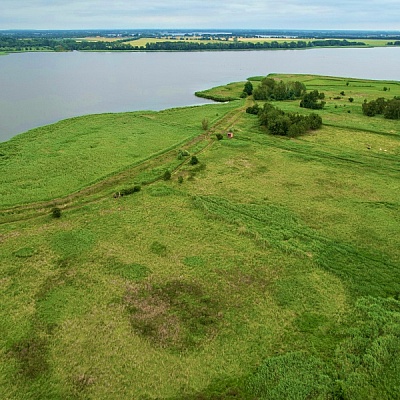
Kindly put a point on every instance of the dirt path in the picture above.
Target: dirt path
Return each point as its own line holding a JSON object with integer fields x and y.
{"x": 107, "y": 187}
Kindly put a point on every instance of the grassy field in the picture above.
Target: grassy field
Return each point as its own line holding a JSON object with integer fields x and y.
{"x": 82, "y": 151}
{"x": 269, "y": 270}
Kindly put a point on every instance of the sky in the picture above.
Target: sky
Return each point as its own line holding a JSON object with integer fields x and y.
{"x": 200, "y": 14}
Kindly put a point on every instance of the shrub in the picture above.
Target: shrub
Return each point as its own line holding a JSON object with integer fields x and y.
{"x": 392, "y": 109}
{"x": 310, "y": 100}
{"x": 314, "y": 121}
{"x": 167, "y": 175}
{"x": 180, "y": 179}
{"x": 342, "y": 93}
{"x": 248, "y": 88}
{"x": 194, "y": 160}
{"x": 183, "y": 153}
{"x": 351, "y": 99}
{"x": 287, "y": 124}
{"x": 56, "y": 212}
{"x": 219, "y": 136}
{"x": 128, "y": 191}
{"x": 253, "y": 109}
{"x": 204, "y": 124}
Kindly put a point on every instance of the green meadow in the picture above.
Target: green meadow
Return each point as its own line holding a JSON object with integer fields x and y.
{"x": 270, "y": 269}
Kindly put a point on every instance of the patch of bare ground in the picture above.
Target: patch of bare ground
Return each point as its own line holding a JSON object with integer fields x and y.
{"x": 177, "y": 315}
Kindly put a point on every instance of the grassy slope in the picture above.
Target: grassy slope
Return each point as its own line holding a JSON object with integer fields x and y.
{"x": 80, "y": 151}
{"x": 251, "y": 279}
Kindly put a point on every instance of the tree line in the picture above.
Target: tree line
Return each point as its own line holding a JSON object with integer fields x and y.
{"x": 13, "y": 43}
{"x": 279, "y": 122}
{"x": 389, "y": 108}
{"x": 17, "y": 44}
{"x": 270, "y": 89}
{"x": 237, "y": 45}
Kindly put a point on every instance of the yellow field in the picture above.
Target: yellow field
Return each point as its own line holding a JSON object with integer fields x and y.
{"x": 143, "y": 41}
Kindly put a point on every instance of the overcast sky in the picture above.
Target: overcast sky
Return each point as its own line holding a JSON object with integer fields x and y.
{"x": 223, "y": 14}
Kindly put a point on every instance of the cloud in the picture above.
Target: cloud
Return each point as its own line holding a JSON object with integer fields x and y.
{"x": 267, "y": 14}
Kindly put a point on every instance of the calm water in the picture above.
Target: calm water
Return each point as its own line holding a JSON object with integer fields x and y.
{"x": 41, "y": 88}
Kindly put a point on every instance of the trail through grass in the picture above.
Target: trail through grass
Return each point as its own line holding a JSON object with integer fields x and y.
{"x": 268, "y": 270}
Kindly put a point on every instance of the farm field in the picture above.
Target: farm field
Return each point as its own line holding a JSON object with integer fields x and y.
{"x": 270, "y": 269}
{"x": 143, "y": 40}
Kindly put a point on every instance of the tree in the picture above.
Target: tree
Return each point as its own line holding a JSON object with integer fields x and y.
{"x": 314, "y": 121}
{"x": 248, "y": 88}
{"x": 204, "y": 124}
{"x": 287, "y": 124}
{"x": 310, "y": 100}
{"x": 374, "y": 107}
{"x": 392, "y": 110}
{"x": 264, "y": 90}
{"x": 279, "y": 125}
{"x": 270, "y": 89}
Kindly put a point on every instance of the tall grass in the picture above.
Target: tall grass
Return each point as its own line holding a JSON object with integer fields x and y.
{"x": 270, "y": 271}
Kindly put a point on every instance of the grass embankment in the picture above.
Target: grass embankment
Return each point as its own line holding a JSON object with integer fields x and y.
{"x": 271, "y": 271}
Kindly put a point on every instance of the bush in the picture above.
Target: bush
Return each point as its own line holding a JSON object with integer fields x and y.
{"x": 128, "y": 191}
{"x": 310, "y": 100}
{"x": 248, "y": 88}
{"x": 204, "y": 124}
{"x": 392, "y": 109}
{"x": 167, "y": 175}
{"x": 287, "y": 124}
{"x": 389, "y": 108}
{"x": 351, "y": 99}
{"x": 219, "y": 136}
{"x": 56, "y": 212}
{"x": 314, "y": 121}
{"x": 194, "y": 160}
{"x": 183, "y": 153}
{"x": 180, "y": 179}
{"x": 253, "y": 109}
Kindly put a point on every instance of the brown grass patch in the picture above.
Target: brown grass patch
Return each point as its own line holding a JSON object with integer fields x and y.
{"x": 177, "y": 315}
{"x": 31, "y": 354}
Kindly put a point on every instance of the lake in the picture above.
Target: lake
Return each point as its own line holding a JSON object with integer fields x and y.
{"x": 42, "y": 88}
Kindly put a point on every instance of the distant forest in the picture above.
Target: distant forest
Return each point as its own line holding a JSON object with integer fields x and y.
{"x": 189, "y": 40}
{"x": 32, "y": 44}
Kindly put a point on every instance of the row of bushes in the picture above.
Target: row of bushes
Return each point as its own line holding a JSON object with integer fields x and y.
{"x": 279, "y": 122}
{"x": 389, "y": 108}
{"x": 128, "y": 191}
